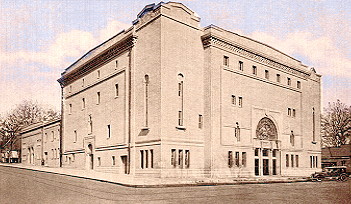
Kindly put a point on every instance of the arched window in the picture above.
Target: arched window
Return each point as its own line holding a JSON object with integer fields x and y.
{"x": 266, "y": 130}
{"x": 181, "y": 99}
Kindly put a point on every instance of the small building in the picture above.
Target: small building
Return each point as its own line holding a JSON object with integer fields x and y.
{"x": 337, "y": 156}
{"x": 41, "y": 144}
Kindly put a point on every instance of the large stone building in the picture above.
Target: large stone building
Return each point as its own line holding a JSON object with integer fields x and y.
{"x": 41, "y": 144}
{"x": 168, "y": 98}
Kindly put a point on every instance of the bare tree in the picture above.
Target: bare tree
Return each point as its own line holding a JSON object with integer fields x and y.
{"x": 26, "y": 113}
{"x": 336, "y": 124}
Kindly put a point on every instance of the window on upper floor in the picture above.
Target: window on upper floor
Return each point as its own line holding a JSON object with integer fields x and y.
{"x": 98, "y": 74}
{"x": 240, "y": 101}
{"x": 293, "y": 113}
{"x": 278, "y": 78}
{"x": 237, "y": 132}
{"x": 116, "y": 90}
{"x": 241, "y": 66}
{"x": 53, "y": 135}
{"x": 75, "y": 136}
{"x": 226, "y": 61}
{"x": 180, "y": 118}
{"x": 70, "y": 89}
{"x": 201, "y": 121}
{"x": 83, "y": 82}
{"x": 254, "y": 70}
{"x": 292, "y": 138}
{"x": 99, "y": 161}
{"x": 113, "y": 160}
{"x": 266, "y": 74}
{"x": 70, "y": 108}
{"x": 146, "y": 99}
{"x": 83, "y": 103}
{"x": 233, "y": 100}
{"x": 289, "y": 81}
{"x": 98, "y": 98}
{"x": 298, "y": 84}
{"x": 116, "y": 64}
{"x": 108, "y": 131}
{"x": 289, "y": 111}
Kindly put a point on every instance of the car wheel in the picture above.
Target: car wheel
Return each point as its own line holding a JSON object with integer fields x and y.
{"x": 343, "y": 177}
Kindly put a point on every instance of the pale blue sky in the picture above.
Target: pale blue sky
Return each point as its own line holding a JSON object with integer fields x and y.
{"x": 39, "y": 39}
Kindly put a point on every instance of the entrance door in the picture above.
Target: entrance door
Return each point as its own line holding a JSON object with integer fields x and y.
{"x": 265, "y": 166}
{"x": 125, "y": 164}
{"x": 274, "y": 167}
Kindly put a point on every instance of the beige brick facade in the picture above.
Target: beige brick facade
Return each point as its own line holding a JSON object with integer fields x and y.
{"x": 168, "y": 98}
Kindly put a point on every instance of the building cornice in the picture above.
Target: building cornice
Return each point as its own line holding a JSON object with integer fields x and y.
{"x": 106, "y": 56}
{"x": 212, "y": 39}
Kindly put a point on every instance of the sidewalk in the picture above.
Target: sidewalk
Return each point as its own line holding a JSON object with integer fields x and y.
{"x": 130, "y": 181}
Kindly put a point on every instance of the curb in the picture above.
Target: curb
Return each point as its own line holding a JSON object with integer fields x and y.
{"x": 164, "y": 185}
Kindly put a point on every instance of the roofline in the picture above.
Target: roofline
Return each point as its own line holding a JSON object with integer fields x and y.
{"x": 38, "y": 125}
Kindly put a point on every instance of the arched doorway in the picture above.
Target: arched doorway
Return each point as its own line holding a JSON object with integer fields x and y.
{"x": 267, "y": 156}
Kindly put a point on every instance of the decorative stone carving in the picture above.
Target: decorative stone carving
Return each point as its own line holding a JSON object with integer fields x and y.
{"x": 266, "y": 130}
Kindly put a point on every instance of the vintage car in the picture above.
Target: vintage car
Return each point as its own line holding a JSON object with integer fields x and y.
{"x": 338, "y": 173}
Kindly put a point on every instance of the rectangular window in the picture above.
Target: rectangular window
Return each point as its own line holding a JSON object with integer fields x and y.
{"x": 180, "y": 118}
{"x": 83, "y": 103}
{"x": 113, "y": 160}
{"x": 297, "y": 160}
{"x": 116, "y": 90}
{"x": 237, "y": 159}
{"x": 70, "y": 89}
{"x": 311, "y": 161}
{"x": 241, "y": 66}
{"x": 289, "y": 111}
{"x": 201, "y": 121}
{"x": 142, "y": 159}
{"x": 293, "y": 112}
{"x": 70, "y": 109}
{"x": 256, "y": 152}
{"x": 180, "y": 88}
{"x": 237, "y": 133}
{"x": 53, "y": 135}
{"x": 289, "y": 81}
{"x": 46, "y": 137}
{"x": 254, "y": 70}
{"x": 243, "y": 159}
{"x": 226, "y": 61}
{"x": 278, "y": 78}
{"x": 146, "y": 159}
{"x": 240, "y": 101}
{"x": 98, "y": 98}
{"x": 151, "y": 158}
{"x": 116, "y": 65}
{"x": 99, "y": 161}
{"x": 274, "y": 153}
{"x": 180, "y": 158}
{"x": 287, "y": 160}
{"x": 75, "y": 136}
{"x": 108, "y": 131}
{"x": 173, "y": 157}
{"x": 73, "y": 157}
{"x": 265, "y": 152}
{"x": 298, "y": 84}
{"x": 83, "y": 82}
{"x": 292, "y": 160}
{"x": 316, "y": 161}
{"x": 187, "y": 158}
{"x": 233, "y": 100}
{"x": 266, "y": 74}
{"x": 98, "y": 74}
{"x": 230, "y": 159}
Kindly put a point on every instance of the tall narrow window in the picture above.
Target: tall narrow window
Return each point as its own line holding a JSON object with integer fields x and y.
{"x": 278, "y": 77}
{"x": 113, "y": 160}
{"x": 70, "y": 109}
{"x": 292, "y": 138}
{"x": 225, "y": 60}
{"x": 116, "y": 64}
{"x": 298, "y": 84}
{"x": 75, "y": 136}
{"x": 254, "y": 70}
{"x": 146, "y": 100}
{"x": 313, "y": 125}
{"x": 311, "y": 161}
{"x": 289, "y": 81}
{"x": 292, "y": 160}
{"x": 99, "y": 161}
{"x": 289, "y": 111}
{"x": 266, "y": 74}
{"x": 108, "y": 131}
{"x": 294, "y": 113}
{"x": 151, "y": 158}
{"x": 241, "y": 66}
{"x": 237, "y": 132}
{"x": 146, "y": 158}
{"x": 297, "y": 160}
{"x": 116, "y": 90}
{"x": 46, "y": 137}
{"x": 83, "y": 103}
{"x": 240, "y": 101}
{"x": 237, "y": 159}
{"x": 287, "y": 160}
{"x": 233, "y": 100}
{"x": 83, "y": 82}
{"x": 316, "y": 160}
{"x": 98, "y": 74}
{"x": 53, "y": 135}
{"x": 98, "y": 96}
{"x": 70, "y": 88}
{"x": 90, "y": 124}
{"x": 181, "y": 99}
{"x": 243, "y": 159}
{"x": 173, "y": 157}
{"x": 187, "y": 158}
{"x": 142, "y": 159}
{"x": 230, "y": 159}
{"x": 180, "y": 159}
{"x": 200, "y": 121}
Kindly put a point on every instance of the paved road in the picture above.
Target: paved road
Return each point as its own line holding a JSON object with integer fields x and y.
{"x": 24, "y": 186}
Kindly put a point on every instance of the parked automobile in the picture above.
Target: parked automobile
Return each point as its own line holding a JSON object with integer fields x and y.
{"x": 338, "y": 173}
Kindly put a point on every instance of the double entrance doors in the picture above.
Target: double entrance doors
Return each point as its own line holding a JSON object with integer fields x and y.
{"x": 267, "y": 162}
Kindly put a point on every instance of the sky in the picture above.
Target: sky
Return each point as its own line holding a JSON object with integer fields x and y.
{"x": 40, "y": 38}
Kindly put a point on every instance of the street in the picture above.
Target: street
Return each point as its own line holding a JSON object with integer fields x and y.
{"x": 25, "y": 186}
